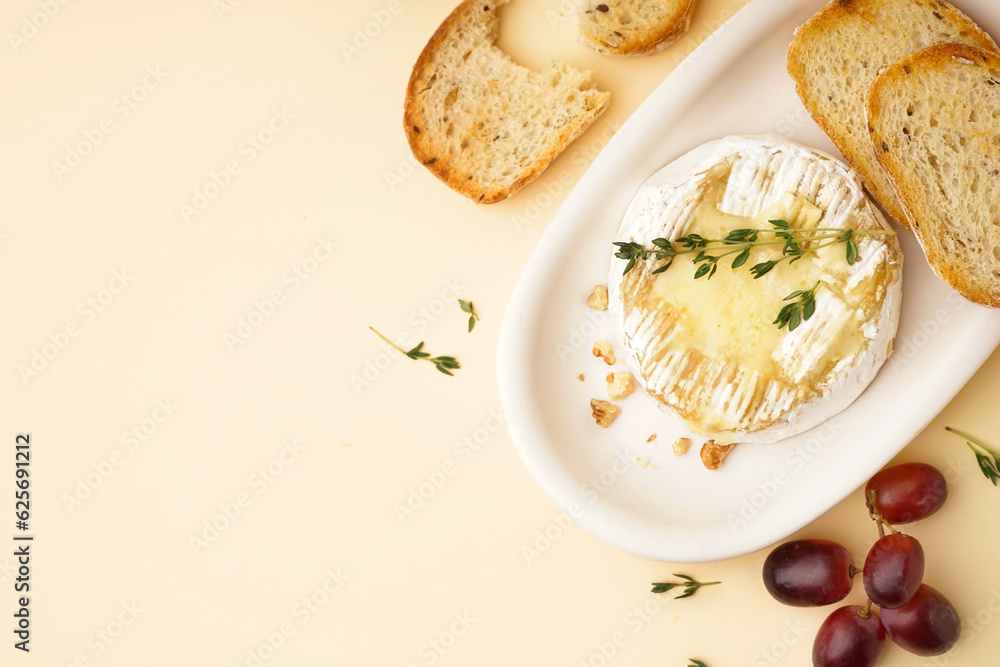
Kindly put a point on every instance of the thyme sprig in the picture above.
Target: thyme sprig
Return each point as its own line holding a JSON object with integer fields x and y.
{"x": 696, "y": 663}
{"x": 467, "y": 307}
{"x": 988, "y": 460}
{"x": 795, "y": 244}
{"x": 443, "y": 364}
{"x": 690, "y": 586}
{"x": 799, "y": 310}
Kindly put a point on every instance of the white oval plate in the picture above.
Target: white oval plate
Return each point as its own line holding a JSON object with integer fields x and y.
{"x": 634, "y": 494}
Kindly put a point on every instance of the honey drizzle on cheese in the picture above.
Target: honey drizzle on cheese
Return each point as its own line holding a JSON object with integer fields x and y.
{"x": 724, "y": 329}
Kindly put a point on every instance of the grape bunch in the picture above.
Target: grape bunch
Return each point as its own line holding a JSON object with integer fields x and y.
{"x": 814, "y": 573}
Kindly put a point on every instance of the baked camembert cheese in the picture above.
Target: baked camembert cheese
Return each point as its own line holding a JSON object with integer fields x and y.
{"x": 708, "y": 349}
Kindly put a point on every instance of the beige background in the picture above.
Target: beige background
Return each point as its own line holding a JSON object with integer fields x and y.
{"x": 178, "y": 367}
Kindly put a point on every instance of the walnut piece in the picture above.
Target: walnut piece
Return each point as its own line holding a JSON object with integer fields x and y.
{"x": 619, "y": 385}
{"x": 712, "y": 454}
{"x": 603, "y": 349}
{"x": 599, "y": 299}
{"x": 604, "y": 412}
{"x": 681, "y": 446}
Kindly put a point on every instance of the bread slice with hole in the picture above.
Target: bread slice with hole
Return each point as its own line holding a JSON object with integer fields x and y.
{"x": 836, "y": 54}
{"x": 633, "y": 27}
{"x": 483, "y": 124}
{"x": 934, "y": 120}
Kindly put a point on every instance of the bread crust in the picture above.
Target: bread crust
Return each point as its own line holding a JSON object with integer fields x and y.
{"x": 651, "y": 41}
{"x": 861, "y": 18}
{"x": 970, "y": 266}
{"x": 413, "y": 118}
{"x": 435, "y": 156}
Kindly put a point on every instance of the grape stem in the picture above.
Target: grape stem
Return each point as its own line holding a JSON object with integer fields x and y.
{"x": 866, "y": 611}
{"x": 877, "y": 516}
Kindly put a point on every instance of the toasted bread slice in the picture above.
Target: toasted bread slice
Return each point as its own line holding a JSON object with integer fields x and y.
{"x": 633, "y": 27}
{"x": 482, "y": 124}
{"x": 935, "y": 123}
{"x": 836, "y": 54}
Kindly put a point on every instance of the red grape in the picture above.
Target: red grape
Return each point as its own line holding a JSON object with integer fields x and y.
{"x": 893, "y": 570}
{"x": 927, "y": 625}
{"x": 847, "y": 639}
{"x": 809, "y": 573}
{"x": 908, "y": 492}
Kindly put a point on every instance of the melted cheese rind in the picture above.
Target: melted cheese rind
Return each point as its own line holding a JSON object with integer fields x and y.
{"x": 707, "y": 349}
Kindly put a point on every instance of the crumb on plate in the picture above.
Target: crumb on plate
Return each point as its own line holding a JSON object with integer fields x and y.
{"x": 712, "y": 454}
{"x": 603, "y": 349}
{"x": 604, "y": 412}
{"x": 599, "y": 299}
{"x": 619, "y": 385}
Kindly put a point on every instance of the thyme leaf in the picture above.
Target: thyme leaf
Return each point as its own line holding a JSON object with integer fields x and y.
{"x": 688, "y": 583}
{"x": 801, "y": 309}
{"x": 467, "y": 307}
{"x": 988, "y": 459}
